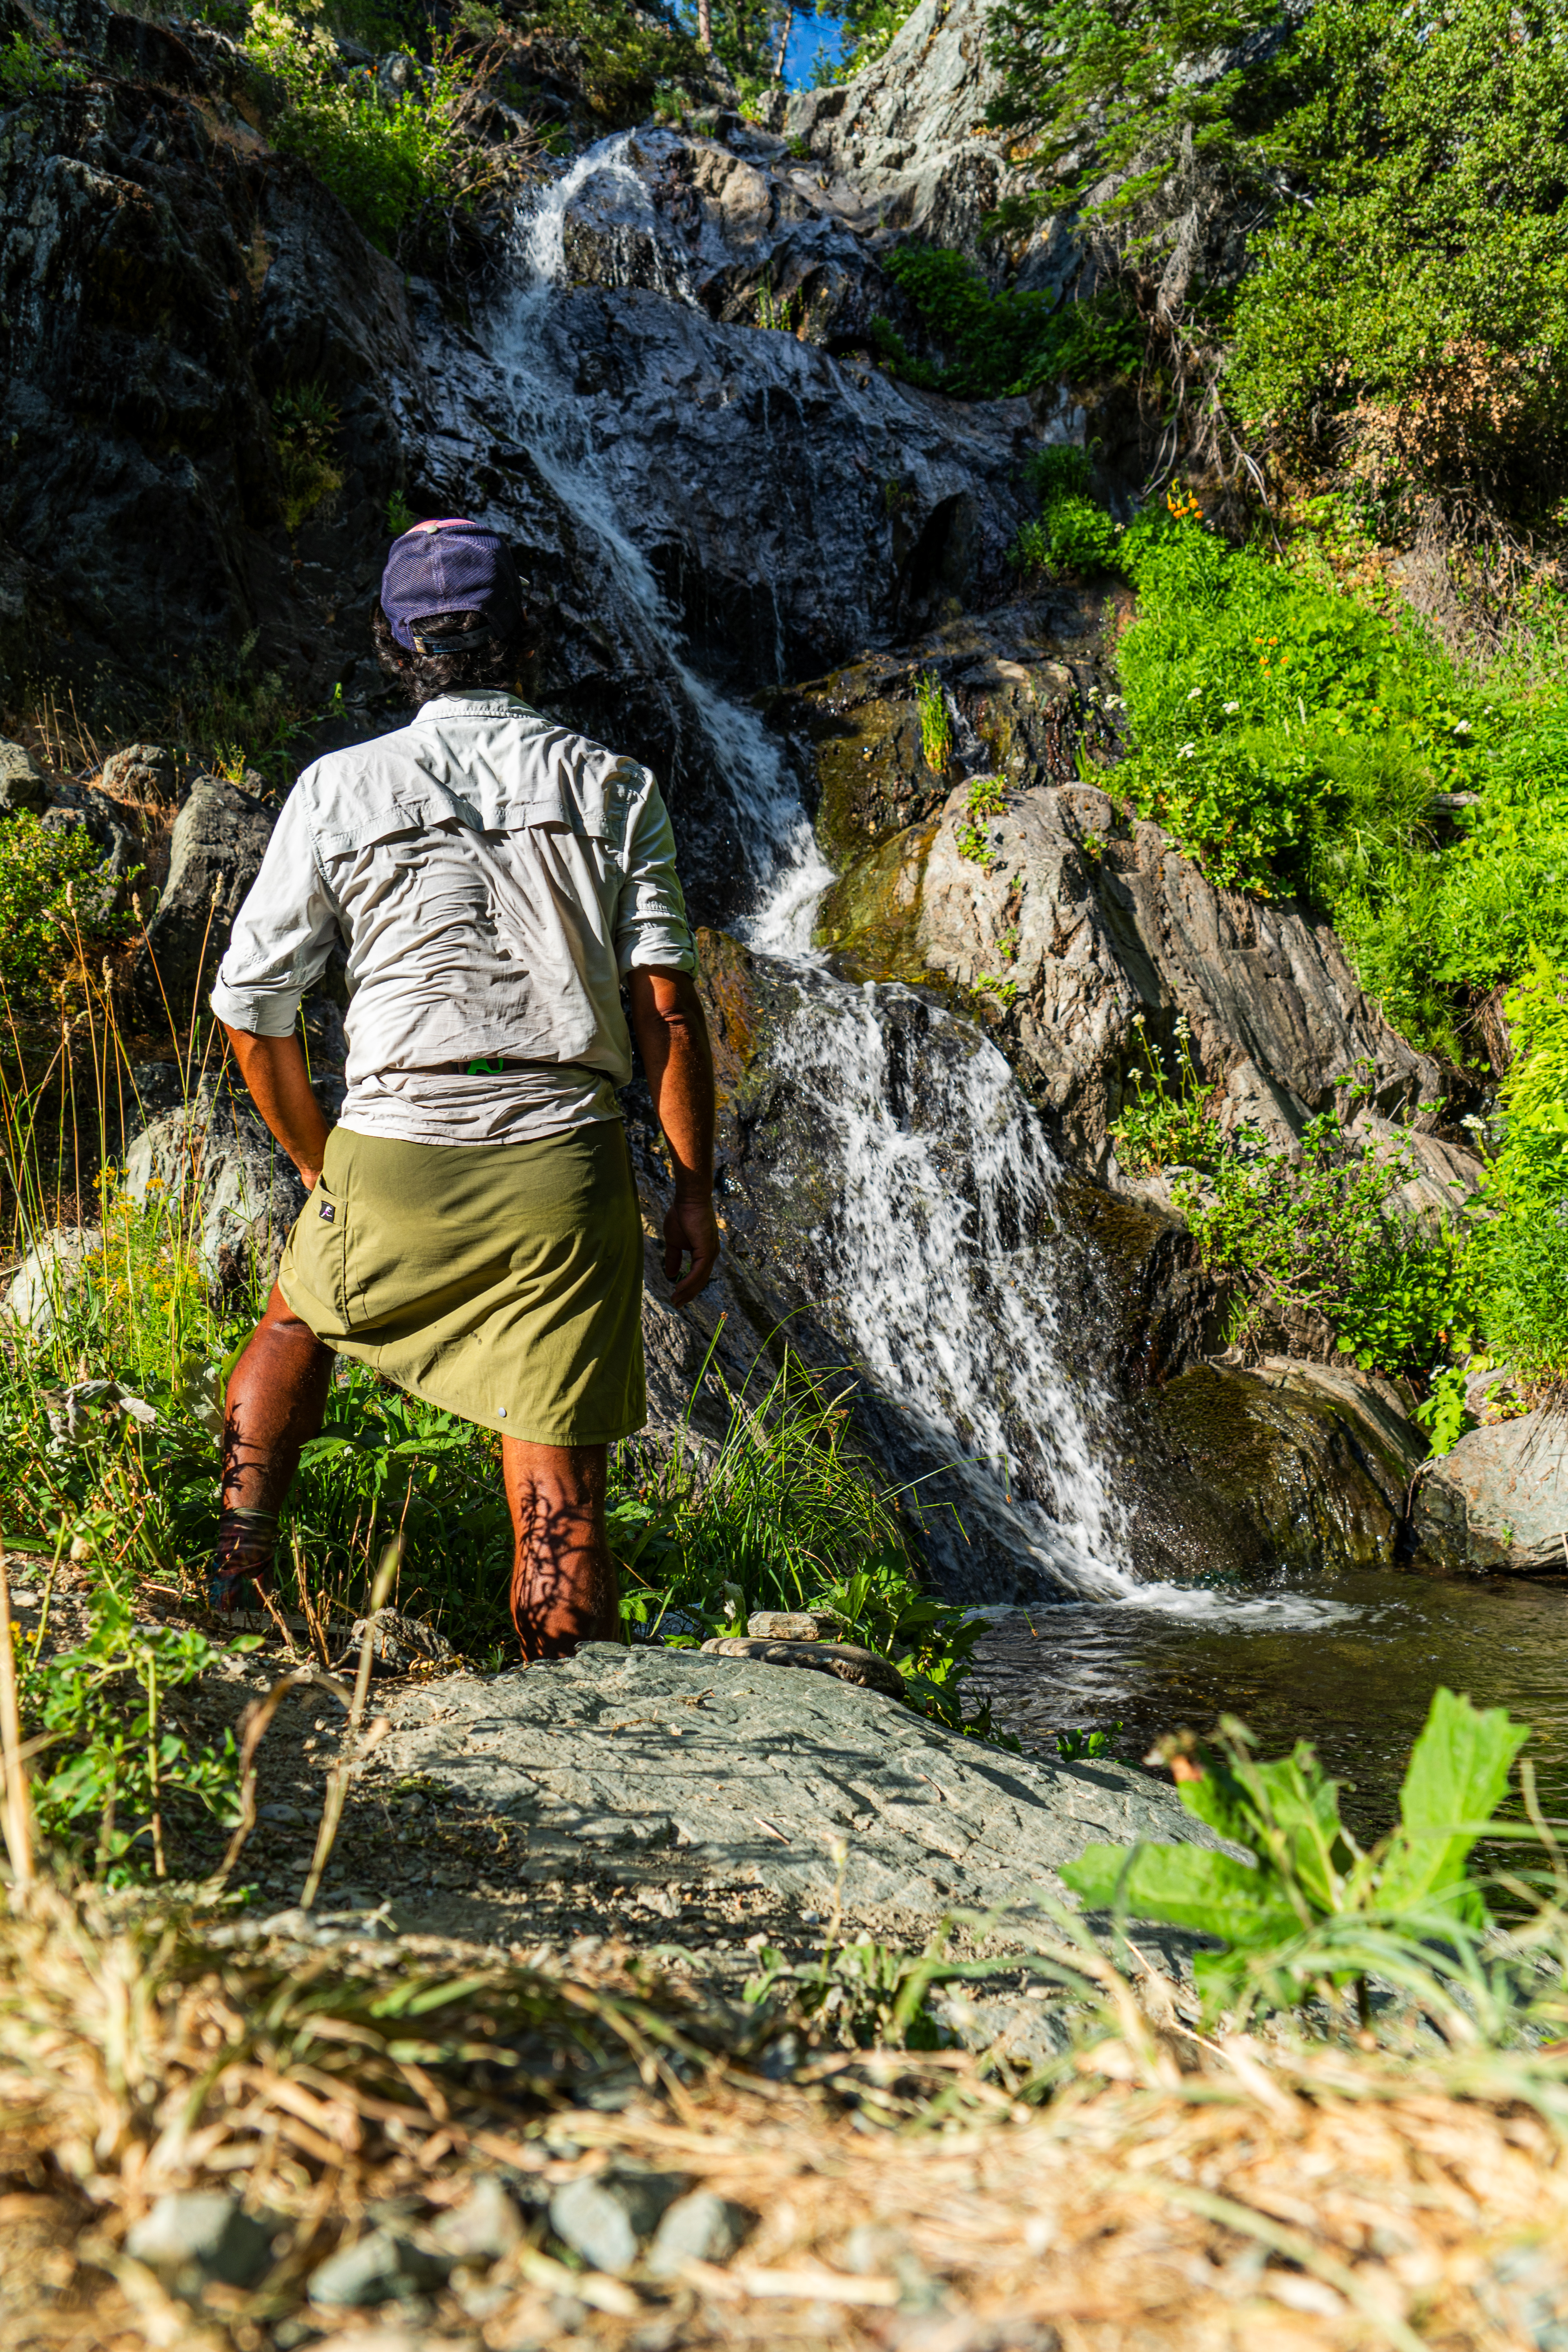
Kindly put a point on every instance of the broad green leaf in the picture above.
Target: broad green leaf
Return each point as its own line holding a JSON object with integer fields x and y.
{"x": 1456, "y": 1778}
{"x": 1186, "y": 1885}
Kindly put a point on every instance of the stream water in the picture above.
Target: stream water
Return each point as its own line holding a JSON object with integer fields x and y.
{"x": 942, "y": 1184}
{"x": 1350, "y": 1663}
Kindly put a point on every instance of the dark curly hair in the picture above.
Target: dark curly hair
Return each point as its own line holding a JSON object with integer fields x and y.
{"x": 488, "y": 661}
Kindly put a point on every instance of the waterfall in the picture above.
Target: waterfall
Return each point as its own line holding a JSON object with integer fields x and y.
{"x": 933, "y": 1260}
{"x": 554, "y": 425}
{"x": 927, "y": 1262}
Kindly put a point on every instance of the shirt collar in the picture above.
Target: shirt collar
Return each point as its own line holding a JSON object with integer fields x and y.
{"x": 473, "y": 702}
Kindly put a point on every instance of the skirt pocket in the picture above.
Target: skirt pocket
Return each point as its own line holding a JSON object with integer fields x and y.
{"x": 318, "y": 1246}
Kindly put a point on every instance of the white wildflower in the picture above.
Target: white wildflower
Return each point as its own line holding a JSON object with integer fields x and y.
{"x": 1186, "y": 750}
{"x": 1231, "y": 709}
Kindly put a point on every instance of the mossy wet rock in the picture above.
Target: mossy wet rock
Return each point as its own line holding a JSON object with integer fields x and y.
{"x": 1022, "y": 682}
{"x": 1497, "y": 1503}
{"x": 1289, "y": 1464}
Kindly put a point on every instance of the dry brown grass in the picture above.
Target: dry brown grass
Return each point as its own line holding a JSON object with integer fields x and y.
{"x": 1176, "y": 2193}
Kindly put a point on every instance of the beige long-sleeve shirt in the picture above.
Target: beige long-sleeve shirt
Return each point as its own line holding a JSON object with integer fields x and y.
{"x": 492, "y": 876}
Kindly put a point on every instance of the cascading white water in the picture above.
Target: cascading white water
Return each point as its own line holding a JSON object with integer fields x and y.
{"x": 929, "y": 1274}
{"x": 929, "y": 1254}
{"x": 554, "y": 425}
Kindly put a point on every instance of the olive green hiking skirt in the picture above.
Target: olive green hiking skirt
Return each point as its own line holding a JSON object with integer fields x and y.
{"x": 501, "y": 1281}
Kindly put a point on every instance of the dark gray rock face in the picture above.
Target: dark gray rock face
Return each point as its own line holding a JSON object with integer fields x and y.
{"x": 1498, "y": 1503}
{"x": 219, "y": 840}
{"x": 704, "y": 504}
{"x": 753, "y": 237}
{"x": 163, "y": 277}
{"x": 753, "y": 1772}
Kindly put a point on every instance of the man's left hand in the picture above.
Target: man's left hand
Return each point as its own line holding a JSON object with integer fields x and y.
{"x": 691, "y": 1228}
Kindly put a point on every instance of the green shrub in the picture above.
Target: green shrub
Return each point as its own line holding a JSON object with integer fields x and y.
{"x": 1072, "y": 533}
{"x": 1311, "y": 1914}
{"x": 1291, "y": 736}
{"x": 117, "y": 1760}
{"x": 1326, "y": 1235}
{"x": 304, "y": 426}
{"x": 623, "y": 54}
{"x": 1403, "y": 323}
{"x": 57, "y": 912}
{"x": 1521, "y": 1246}
{"x": 27, "y": 69}
{"x": 1166, "y": 1126}
{"x": 406, "y": 169}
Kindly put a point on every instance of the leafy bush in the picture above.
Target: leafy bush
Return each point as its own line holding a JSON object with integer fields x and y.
{"x": 1072, "y": 533}
{"x": 622, "y": 53}
{"x": 116, "y": 1758}
{"x": 1404, "y": 322}
{"x": 405, "y": 168}
{"x": 56, "y": 910}
{"x": 30, "y": 70}
{"x": 1325, "y": 1235}
{"x": 1002, "y": 344}
{"x": 1166, "y": 1127}
{"x": 1313, "y": 1912}
{"x": 1522, "y": 1249}
{"x": 1417, "y": 311}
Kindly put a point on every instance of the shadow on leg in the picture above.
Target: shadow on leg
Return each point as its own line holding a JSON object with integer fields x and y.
{"x": 277, "y": 1399}
{"x": 563, "y": 1586}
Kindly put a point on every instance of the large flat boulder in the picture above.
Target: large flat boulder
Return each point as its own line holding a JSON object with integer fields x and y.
{"x": 756, "y": 1773}
{"x": 1498, "y": 1501}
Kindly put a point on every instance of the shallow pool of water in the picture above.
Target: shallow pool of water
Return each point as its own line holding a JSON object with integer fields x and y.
{"x": 1349, "y": 1663}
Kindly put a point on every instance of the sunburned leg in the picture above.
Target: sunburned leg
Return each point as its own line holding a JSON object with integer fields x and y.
{"x": 564, "y": 1587}
{"x": 277, "y": 1398}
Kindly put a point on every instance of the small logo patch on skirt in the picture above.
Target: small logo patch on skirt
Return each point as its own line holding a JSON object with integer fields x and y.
{"x": 327, "y": 1211}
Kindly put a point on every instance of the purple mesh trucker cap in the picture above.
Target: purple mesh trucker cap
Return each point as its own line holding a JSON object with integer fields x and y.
{"x": 449, "y": 567}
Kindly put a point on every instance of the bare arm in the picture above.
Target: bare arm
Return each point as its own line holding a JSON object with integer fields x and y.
{"x": 672, "y": 1038}
{"x": 274, "y": 1071}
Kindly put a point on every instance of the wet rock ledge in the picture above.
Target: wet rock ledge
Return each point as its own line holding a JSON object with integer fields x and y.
{"x": 675, "y": 1765}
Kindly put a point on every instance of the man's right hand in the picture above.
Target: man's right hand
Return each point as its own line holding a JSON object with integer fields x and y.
{"x": 691, "y": 1227}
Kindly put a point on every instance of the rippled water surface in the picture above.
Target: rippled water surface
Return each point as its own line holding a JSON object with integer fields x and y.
{"x": 1349, "y": 1663}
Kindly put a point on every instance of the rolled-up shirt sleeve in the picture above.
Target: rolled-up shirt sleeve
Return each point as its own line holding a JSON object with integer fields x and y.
{"x": 651, "y": 929}
{"x": 282, "y": 935}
